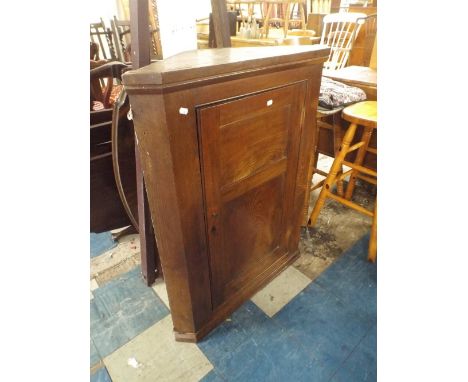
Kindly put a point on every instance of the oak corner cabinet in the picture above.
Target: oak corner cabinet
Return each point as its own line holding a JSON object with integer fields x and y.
{"x": 225, "y": 138}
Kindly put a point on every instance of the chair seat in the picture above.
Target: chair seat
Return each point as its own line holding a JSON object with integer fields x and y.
{"x": 362, "y": 113}
{"x": 322, "y": 112}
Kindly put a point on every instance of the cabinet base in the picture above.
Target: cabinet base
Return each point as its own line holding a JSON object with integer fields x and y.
{"x": 226, "y": 309}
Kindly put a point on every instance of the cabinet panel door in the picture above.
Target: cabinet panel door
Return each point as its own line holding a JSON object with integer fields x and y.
{"x": 249, "y": 157}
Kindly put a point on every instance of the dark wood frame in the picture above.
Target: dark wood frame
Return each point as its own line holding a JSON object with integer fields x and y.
{"x": 150, "y": 265}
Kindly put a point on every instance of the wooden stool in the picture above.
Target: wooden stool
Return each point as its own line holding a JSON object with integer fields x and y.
{"x": 363, "y": 114}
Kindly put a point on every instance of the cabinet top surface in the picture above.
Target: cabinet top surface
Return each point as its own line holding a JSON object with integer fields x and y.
{"x": 203, "y": 63}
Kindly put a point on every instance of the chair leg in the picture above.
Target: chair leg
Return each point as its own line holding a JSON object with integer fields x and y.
{"x": 373, "y": 237}
{"x": 366, "y": 136}
{"x": 286, "y": 19}
{"x": 302, "y": 15}
{"x": 316, "y": 154}
{"x": 266, "y": 22}
{"x": 335, "y": 169}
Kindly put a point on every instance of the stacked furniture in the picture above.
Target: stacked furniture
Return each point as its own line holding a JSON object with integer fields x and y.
{"x": 112, "y": 153}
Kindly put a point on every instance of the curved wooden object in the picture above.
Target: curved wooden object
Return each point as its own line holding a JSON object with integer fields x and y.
{"x": 123, "y": 157}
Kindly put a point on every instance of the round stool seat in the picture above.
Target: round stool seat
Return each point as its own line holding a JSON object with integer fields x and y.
{"x": 362, "y": 113}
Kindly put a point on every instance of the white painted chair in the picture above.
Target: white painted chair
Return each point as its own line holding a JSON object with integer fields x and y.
{"x": 339, "y": 33}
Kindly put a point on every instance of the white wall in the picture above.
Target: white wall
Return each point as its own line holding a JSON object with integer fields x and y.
{"x": 177, "y": 26}
{"x": 201, "y": 8}
{"x": 106, "y": 9}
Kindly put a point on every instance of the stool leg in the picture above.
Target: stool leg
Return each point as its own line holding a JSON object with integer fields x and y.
{"x": 335, "y": 169}
{"x": 373, "y": 237}
{"x": 339, "y": 184}
{"x": 366, "y": 136}
{"x": 336, "y": 145}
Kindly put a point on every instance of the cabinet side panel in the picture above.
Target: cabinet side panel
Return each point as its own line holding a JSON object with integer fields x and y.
{"x": 154, "y": 140}
{"x": 185, "y": 152}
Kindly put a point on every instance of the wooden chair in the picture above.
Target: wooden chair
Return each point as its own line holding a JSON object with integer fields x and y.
{"x": 112, "y": 154}
{"x": 363, "y": 114}
{"x": 363, "y": 45}
{"x": 102, "y": 36}
{"x": 121, "y": 35}
{"x": 122, "y": 40}
{"x": 326, "y": 120}
{"x": 301, "y": 14}
{"x": 246, "y": 9}
{"x": 339, "y": 32}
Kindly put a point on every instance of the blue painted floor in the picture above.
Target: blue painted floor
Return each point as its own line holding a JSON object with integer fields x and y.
{"x": 100, "y": 243}
{"x": 327, "y": 332}
{"x": 120, "y": 310}
{"x": 101, "y": 375}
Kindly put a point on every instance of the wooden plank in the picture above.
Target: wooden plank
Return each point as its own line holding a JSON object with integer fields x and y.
{"x": 155, "y": 35}
{"x": 139, "y": 13}
{"x": 220, "y": 23}
{"x": 139, "y": 16}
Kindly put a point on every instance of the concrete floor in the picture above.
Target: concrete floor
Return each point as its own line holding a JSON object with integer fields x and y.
{"x": 118, "y": 260}
{"x": 337, "y": 228}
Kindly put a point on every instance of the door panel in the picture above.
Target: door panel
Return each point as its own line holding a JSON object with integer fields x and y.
{"x": 251, "y": 226}
{"x": 249, "y": 151}
{"x": 264, "y": 141}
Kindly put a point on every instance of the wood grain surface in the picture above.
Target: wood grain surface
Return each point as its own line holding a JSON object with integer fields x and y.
{"x": 225, "y": 170}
